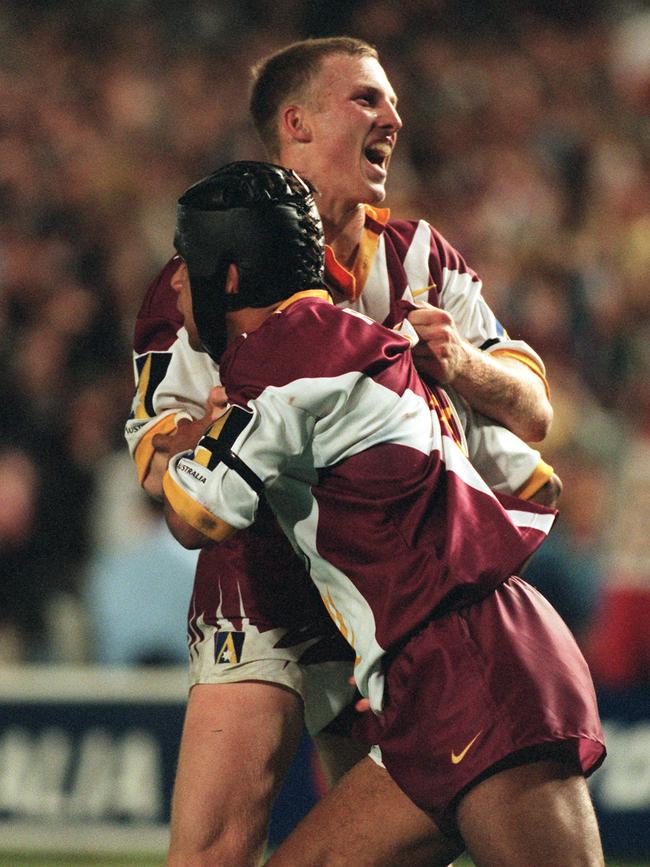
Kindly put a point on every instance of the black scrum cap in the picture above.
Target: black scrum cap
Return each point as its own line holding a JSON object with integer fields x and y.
{"x": 263, "y": 218}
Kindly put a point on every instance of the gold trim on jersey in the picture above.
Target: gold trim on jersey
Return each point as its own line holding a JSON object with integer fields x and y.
{"x": 528, "y": 361}
{"x": 367, "y": 249}
{"x": 194, "y": 514}
{"x": 203, "y": 455}
{"x": 417, "y": 292}
{"x": 379, "y": 215}
{"x": 338, "y": 619}
{"x": 540, "y": 476}
{"x": 323, "y": 294}
{"x": 352, "y": 281}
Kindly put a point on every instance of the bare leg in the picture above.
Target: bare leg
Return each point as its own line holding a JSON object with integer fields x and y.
{"x": 366, "y": 820}
{"x": 238, "y": 742}
{"x": 337, "y": 754}
{"x": 535, "y": 815}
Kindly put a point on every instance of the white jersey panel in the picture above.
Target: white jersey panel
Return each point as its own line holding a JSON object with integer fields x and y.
{"x": 461, "y": 296}
{"x": 338, "y": 417}
{"x": 186, "y": 385}
{"x": 416, "y": 265}
{"x": 374, "y": 301}
{"x": 346, "y": 605}
{"x": 504, "y": 460}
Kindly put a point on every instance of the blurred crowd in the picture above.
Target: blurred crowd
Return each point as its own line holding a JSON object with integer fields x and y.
{"x": 526, "y": 141}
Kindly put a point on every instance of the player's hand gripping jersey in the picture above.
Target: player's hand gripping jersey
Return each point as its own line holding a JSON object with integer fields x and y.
{"x": 398, "y": 261}
{"x": 239, "y": 624}
{"x": 365, "y": 470}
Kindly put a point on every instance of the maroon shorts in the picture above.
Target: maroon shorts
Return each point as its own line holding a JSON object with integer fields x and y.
{"x": 479, "y": 687}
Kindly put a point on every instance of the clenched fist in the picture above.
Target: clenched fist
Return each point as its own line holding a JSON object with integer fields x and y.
{"x": 441, "y": 353}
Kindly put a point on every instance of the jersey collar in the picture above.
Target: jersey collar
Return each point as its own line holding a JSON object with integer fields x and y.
{"x": 351, "y": 283}
{"x": 319, "y": 294}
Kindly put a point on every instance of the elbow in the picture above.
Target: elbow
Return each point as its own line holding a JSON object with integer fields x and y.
{"x": 550, "y": 493}
{"x": 183, "y": 532}
{"x": 153, "y": 487}
{"x": 190, "y": 538}
{"x": 536, "y": 426}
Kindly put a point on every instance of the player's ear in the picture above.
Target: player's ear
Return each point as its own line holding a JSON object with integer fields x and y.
{"x": 294, "y": 123}
{"x": 232, "y": 280}
{"x": 179, "y": 277}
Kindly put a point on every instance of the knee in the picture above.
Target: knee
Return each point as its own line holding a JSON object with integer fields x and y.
{"x": 237, "y": 844}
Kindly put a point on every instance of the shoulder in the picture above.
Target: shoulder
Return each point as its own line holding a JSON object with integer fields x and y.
{"x": 309, "y": 340}
{"x": 158, "y": 319}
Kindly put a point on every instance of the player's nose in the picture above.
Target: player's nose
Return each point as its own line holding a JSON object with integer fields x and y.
{"x": 389, "y": 117}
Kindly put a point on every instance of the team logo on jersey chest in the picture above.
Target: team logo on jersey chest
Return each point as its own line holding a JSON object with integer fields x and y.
{"x": 228, "y": 647}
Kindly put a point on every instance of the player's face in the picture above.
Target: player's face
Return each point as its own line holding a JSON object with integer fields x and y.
{"x": 353, "y": 119}
{"x": 180, "y": 283}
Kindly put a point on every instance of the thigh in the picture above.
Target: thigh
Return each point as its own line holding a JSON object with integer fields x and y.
{"x": 482, "y": 684}
{"x": 366, "y": 821}
{"x": 337, "y": 754}
{"x": 237, "y": 744}
{"x": 534, "y": 815}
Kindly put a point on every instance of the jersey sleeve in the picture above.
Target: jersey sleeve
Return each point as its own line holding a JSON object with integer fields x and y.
{"x": 216, "y": 488}
{"x": 505, "y": 461}
{"x": 459, "y": 291}
{"x": 172, "y": 380}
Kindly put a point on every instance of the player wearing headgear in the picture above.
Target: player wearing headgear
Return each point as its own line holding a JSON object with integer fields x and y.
{"x": 413, "y": 555}
{"x": 283, "y": 251}
{"x": 257, "y": 665}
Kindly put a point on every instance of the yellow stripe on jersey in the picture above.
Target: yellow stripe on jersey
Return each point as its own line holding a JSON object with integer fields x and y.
{"x": 337, "y": 617}
{"x": 323, "y": 294}
{"x": 194, "y": 513}
{"x": 217, "y": 426}
{"x": 202, "y": 455}
{"x": 528, "y": 361}
{"x": 143, "y": 385}
{"x": 144, "y": 451}
{"x": 447, "y": 419}
{"x": 427, "y": 289}
{"x": 541, "y": 474}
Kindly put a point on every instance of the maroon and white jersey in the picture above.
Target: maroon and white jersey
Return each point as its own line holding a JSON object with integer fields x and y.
{"x": 239, "y": 623}
{"x": 363, "y": 467}
{"x": 398, "y": 261}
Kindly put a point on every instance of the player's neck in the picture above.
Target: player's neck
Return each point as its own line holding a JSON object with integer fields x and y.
{"x": 343, "y": 232}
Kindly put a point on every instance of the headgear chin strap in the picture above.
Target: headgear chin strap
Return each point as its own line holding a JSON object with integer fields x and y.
{"x": 261, "y": 217}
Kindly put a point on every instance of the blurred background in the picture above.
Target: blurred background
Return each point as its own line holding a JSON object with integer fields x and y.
{"x": 526, "y": 142}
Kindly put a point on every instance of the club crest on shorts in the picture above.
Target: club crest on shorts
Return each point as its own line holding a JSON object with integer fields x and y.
{"x": 228, "y": 647}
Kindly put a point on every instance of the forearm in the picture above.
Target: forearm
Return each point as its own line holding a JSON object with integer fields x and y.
{"x": 549, "y": 494}
{"x": 506, "y": 390}
{"x": 152, "y": 481}
{"x": 500, "y": 386}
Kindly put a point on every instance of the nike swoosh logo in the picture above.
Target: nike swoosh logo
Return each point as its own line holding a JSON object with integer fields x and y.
{"x": 459, "y": 758}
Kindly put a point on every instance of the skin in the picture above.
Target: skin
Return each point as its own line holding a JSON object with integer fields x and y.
{"x": 221, "y": 721}
{"x": 537, "y": 815}
{"x": 180, "y": 283}
{"x": 221, "y": 807}
{"x": 349, "y": 114}
{"x": 340, "y": 136}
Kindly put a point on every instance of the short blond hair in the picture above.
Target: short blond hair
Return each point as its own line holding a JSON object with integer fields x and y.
{"x": 287, "y": 73}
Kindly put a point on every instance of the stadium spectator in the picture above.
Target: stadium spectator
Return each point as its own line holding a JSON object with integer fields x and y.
{"x": 101, "y": 104}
